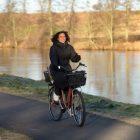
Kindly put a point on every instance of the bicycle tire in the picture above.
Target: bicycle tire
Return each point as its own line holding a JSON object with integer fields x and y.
{"x": 81, "y": 108}
{"x": 54, "y": 106}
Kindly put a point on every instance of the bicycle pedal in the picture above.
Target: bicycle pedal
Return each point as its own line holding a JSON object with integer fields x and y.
{"x": 70, "y": 112}
{"x": 63, "y": 110}
{"x": 62, "y": 105}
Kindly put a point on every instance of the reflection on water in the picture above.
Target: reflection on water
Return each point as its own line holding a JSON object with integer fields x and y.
{"x": 115, "y": 75}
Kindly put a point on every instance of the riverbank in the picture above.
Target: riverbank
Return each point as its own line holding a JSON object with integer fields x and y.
{"x": 123, "y": 46}
{"x": 84, "y": 45}
{"x": 38, "y": 90}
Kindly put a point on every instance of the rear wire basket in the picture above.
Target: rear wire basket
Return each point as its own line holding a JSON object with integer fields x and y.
{"x": 48, "y": 77}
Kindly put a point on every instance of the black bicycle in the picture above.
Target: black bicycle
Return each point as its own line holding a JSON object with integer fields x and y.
{"x": 72, "y": 101}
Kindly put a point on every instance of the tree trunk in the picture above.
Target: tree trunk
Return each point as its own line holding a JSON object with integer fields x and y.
{"x": 128, "y": 9}
{"x": 14, "y": 32}
{"x": 112, "y": 29}
{"x": 50, "y": 17}
{"x": 71, "y": 21}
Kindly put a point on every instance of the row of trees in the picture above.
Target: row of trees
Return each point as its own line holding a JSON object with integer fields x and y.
{"x": 109, "y": 18}
{"x": 46, "y": 17}
{"x": 102, "y": 20}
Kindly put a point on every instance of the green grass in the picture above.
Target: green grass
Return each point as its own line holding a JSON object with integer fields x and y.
{"x": 39, "y": 90}
{"x": 11, "y": 135}
{"x": 24, "y": 87}
{"x": 23, "y": 84}
{"x": 107, "y": 106}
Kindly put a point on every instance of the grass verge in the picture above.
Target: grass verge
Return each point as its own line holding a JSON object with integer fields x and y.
{"x": 11, "y": 135}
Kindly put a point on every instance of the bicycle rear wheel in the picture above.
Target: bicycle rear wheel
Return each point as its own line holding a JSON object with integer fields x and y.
{"x": 54, "y": 107}
{"x": 79, "y": 108}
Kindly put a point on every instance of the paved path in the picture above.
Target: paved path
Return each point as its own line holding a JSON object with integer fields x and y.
{"x": 31, "y": 117}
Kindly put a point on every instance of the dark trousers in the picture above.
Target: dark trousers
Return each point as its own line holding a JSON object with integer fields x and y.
{"x": 60, "y": 81}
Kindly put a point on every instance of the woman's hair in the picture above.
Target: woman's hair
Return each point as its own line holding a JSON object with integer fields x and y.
{"x": 56, "y": 35}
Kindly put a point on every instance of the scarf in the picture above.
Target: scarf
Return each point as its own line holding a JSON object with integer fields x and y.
{"x": 60, "y": 44}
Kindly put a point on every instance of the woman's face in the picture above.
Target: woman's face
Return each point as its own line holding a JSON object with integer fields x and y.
{"x": 62, "y": 38}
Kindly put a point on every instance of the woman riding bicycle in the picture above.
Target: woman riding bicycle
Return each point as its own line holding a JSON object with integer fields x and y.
{"x": 61, "y": 52}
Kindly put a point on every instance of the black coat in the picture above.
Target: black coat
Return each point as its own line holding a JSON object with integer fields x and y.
{"x": 61, "y": 54}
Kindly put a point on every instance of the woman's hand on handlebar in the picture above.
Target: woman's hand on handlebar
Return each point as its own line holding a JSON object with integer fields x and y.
{"x": 81, "y": 64}
{"x": 63, "y": 68}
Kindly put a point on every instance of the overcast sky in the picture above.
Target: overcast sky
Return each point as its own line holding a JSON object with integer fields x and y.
{"x": 80, "y": 5}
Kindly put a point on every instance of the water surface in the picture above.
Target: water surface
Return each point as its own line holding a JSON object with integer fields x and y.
{"x": 115, "y": 75}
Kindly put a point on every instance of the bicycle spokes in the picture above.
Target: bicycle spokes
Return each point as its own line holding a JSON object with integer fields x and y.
{"x": 79, "y": 108}
{"x": 74, "y": 106}
{"x": 54, "y": 108}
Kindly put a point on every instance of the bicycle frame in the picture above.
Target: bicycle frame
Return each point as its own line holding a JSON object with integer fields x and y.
{"x": 68, "y": 100}
{"x": 69, "y": 97}
{"x": 67, "y": 103}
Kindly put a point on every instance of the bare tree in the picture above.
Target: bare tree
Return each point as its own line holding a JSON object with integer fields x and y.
{"x": 10, "y": 6}
{"x": 50, "y": 16}
{"x": 43, "y": 5}
{"x": 10, "y": 9}
{"x": 91, "y": 27}
{"x": 71, "y": 13}
{"x": 107, "y": 16}
{"x": 68, "y": 17}
{"x": 24, "y": 2}
{"x": 65, "y": 15}
{"x": 127, "y": 19}
{"x": 46, "y": 7}
{"x": 71, "y": 20}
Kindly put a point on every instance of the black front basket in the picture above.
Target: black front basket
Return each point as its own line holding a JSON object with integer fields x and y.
{"x": 76, "y": 79}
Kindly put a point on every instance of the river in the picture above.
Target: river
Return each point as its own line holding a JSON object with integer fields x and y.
{"x": 111, "y": 74}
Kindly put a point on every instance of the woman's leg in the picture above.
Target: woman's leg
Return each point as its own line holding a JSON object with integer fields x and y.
{"x": 60, "y": 81}
{"x": 57, "y": 90}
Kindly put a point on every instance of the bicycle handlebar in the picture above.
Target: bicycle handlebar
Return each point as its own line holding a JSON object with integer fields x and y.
{"x": 80, "y": 64}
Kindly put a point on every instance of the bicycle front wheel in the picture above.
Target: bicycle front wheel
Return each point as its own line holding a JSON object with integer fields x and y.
{"x": 79, "y": 108}
{"x": 54, "y": 107}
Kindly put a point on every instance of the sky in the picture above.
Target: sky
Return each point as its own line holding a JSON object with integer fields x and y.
{"x": 80, "y": 5}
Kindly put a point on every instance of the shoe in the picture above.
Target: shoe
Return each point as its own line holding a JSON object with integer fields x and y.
{"x": 75, "y": 91}
{"x": 55, "y": 97}
{"x": 63, "y": 110}
{"x": 62, "y": 105}
{"x": 70, "y": 112}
